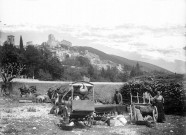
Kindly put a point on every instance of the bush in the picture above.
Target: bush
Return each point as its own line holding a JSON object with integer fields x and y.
{"x": 172, "y": 91}
{"x": 44, "y": 75}
{"x": 9, "y": 129}
{"x": 8, "y": 111}
{"x": 31, "y": 109}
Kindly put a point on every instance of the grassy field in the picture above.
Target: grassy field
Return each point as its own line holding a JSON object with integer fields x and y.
{"x": 103, "y": 90}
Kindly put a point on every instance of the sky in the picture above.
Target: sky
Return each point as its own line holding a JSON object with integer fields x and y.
{"x": 145, "y": 30}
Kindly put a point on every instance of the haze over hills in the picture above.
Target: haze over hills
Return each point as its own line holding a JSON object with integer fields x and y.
{"x": 98, "y": 58}
{"x": 120, "y": 60}
{"x": 64, "y": 49}
{"x": 173, "y": 66}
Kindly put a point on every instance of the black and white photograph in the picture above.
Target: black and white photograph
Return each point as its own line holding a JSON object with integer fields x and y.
{"x": 92, "y": 67}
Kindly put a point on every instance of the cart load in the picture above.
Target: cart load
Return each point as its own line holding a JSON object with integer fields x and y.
{"x": 141, "y": 111}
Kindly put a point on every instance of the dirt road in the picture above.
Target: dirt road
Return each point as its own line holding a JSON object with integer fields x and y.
{"x": 31, "y": 118}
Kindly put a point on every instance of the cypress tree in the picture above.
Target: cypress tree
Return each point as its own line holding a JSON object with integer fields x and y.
{"x": 133, "y": 72}
{"x": 137, "y": 68}
{"x": 21, "y": 44}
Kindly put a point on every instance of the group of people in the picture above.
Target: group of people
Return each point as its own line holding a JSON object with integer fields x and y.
{"x": 157, "y": 100}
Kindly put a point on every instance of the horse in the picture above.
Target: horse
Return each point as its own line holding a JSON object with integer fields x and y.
{"x": 41, "y": 98}
{"x": 25, "y": 90}
{"x": 52, "y": 92}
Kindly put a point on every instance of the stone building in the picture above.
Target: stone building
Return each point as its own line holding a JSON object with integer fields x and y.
{"x": 10, "y": 39}
{"x": 52, "y": 41}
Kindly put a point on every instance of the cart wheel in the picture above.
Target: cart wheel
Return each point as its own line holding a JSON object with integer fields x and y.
{"x": 88, "y": 122}
{"x": 134, "y": 113}
{"x": 155, "y": 114}
{"x": 131, "y": 112}
{"x": 64, "y": 112}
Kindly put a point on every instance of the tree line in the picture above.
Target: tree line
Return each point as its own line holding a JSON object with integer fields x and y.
{"x": 41, "y": 64}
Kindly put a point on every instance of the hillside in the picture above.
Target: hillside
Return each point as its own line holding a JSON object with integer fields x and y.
{"x": 120, "y": 60}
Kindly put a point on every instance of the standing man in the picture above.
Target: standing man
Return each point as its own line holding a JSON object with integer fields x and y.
{"x": 118, "y": 98}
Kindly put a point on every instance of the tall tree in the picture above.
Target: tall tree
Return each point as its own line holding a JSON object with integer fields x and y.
{"x": 9, "y": 54}
{"x": 132, "y": 72}
{"x": 138, "y": 70}
{"x": 21, "y": 44}
{"x": 137, "y": 67}
{"x": 33, "y": 60}
{"x": 124, "y": 75}
{"x": 8, "y": 72}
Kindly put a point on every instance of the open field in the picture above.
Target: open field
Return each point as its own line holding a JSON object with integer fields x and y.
{"x": 105, "y": 90}
{"x": 31, "y": 118}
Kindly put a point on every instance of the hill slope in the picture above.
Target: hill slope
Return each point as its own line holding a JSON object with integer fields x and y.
{"x": 120, "y": 60}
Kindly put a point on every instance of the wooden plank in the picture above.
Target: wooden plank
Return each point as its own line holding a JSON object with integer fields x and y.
{"x": 25, "y": 101}
{"x": 82, "y": 105}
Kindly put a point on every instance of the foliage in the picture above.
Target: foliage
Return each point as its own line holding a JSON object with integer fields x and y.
{"x": 44, "y": 75}
{"x": 84, "y": 62}
{"x": 136, "y": 71}
{"x": 171, "y": 87}
{"x": 72, "y": 74}
{"x": 21, "y": 45}
{"x": 40, "y": 63}
{"x": 8, "y": 72}
{"x": 9, "y": 54}
{"x": 31, "y": 109}
{"x": 8, "y": 110}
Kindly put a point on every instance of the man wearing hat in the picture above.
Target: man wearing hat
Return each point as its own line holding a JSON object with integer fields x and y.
{"x": 118, "y": 97}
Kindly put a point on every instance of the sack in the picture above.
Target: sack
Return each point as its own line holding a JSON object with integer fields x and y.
{"x": 118, "y": 121}
{"x": 139, "y": 115}
{"x": 122, "y": 119}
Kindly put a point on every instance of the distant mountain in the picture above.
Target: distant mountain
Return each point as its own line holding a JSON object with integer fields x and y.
{"x": 64, "y": 49}
{"x": 120, "y": 60}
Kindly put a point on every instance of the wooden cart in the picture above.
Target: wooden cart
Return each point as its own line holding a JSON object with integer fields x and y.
{"x": 145, "y": 108}
{"x": 81, "y": 108}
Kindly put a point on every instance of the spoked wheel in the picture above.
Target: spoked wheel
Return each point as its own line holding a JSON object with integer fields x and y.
{"x": 64, "y": 114}
{"x": 132, "y": 114}
{"x": 155, "y": 114}
{"x": 88, "y": 122}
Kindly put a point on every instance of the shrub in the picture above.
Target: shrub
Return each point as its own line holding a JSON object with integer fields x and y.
{"x": 9, "y": 129}
{"x": 172, "y": 91}
{"x": 31, "y": 109}
{"x": 8, "y": 110}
